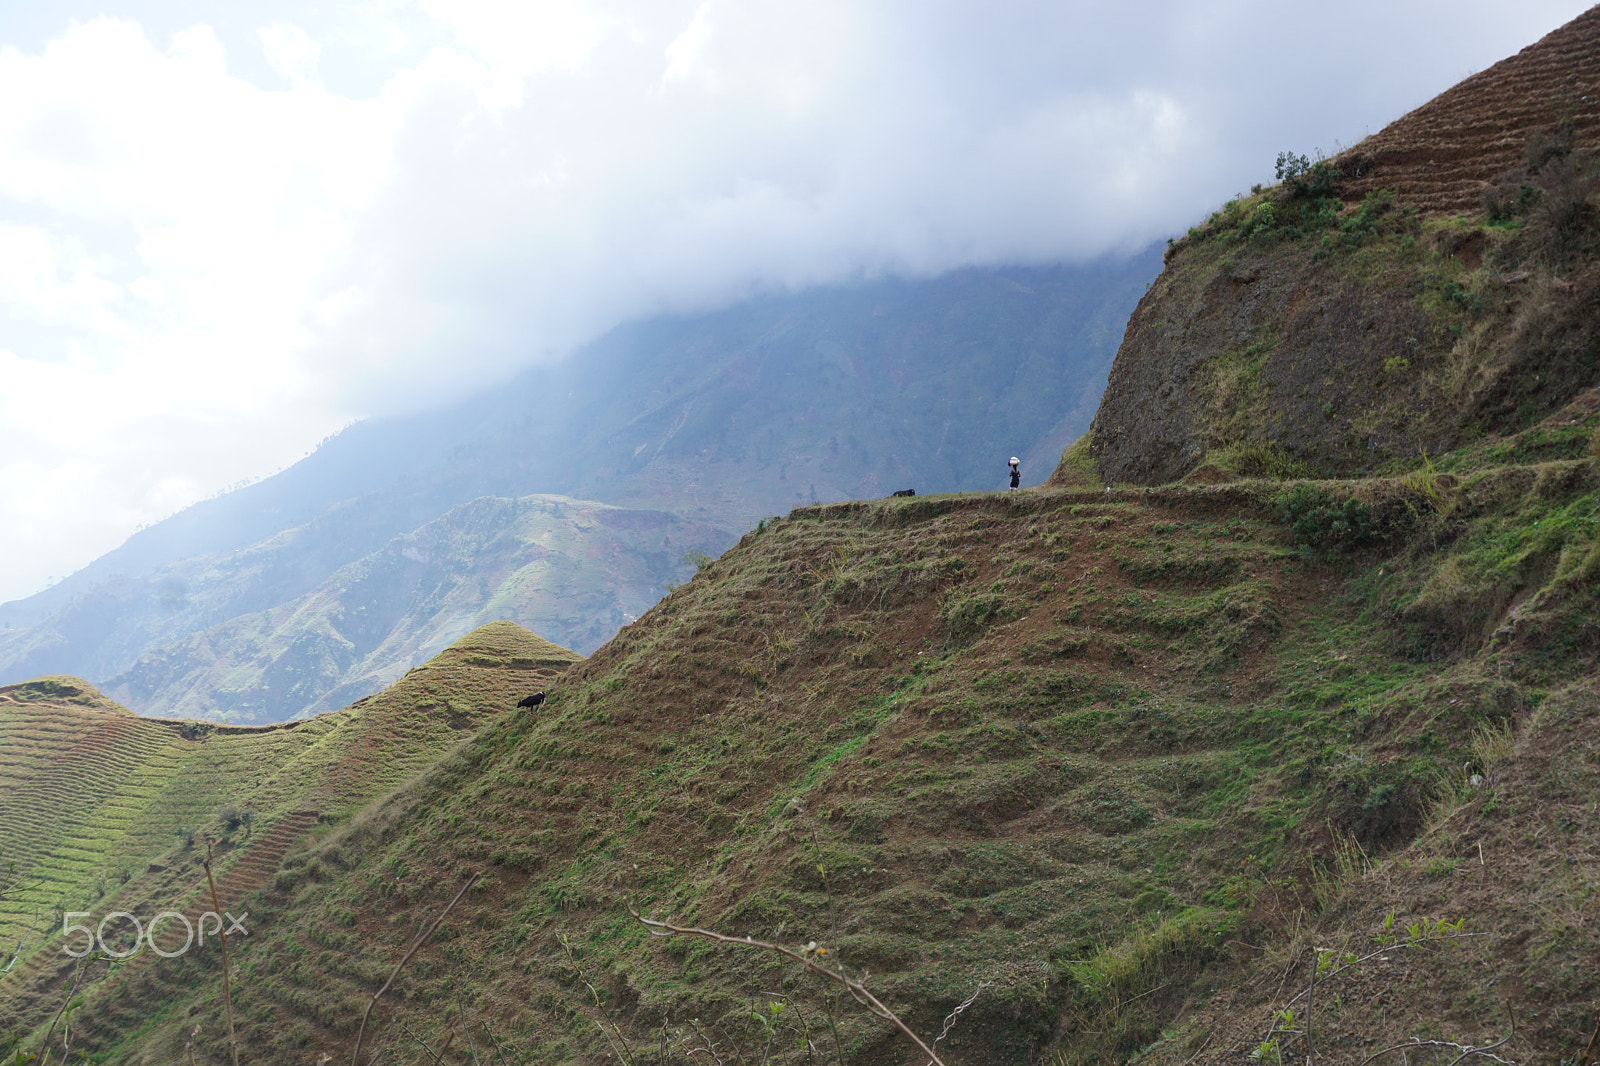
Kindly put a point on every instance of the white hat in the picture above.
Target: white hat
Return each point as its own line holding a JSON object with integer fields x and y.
{"x": 1015, "y": 460}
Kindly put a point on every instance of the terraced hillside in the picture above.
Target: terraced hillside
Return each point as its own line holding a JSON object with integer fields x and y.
{"x": 1437, "y": 282}
{"x": 1441, "y": 156}
{"x": 1117, "y": 759}
{"x": 1253, "y": 764}
{"x": 101, "y": 810}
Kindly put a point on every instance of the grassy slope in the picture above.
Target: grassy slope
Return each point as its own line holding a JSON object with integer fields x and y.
{"x": 94, "y": 796}
{"x": 1109, "y": 751}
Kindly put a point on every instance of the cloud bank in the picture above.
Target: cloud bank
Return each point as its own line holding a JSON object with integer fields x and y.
{"x": 224, "y": 235}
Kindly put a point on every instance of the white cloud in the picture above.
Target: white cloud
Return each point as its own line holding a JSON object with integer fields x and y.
{"x": 685, "y": 53}
{"x": 219, "y": 241}
{"x": 515, "y": 40}
{"x": 163, "y": 227}
{"x": 291, "y": 52}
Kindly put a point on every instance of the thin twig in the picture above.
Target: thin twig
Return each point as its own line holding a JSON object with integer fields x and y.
{"x": 950, "y": 1019}
{"x": 422, "y": 938}
{"x": 383, "y": 1040}
{"x": 808, "y": 959}
{"x": 1467, "y": 1051}
{"x": 1588, "y": 1052}
{"x": 499, "y": 1051}
{"x": 1370, "y": 955}
{"x": 44, "y": 1045}
{"x": 23, "y": 943}
{"x": 227, "y": 985}
{"x": 407, "y": 1030}
{"x": 618, "y": 1042}
{"x": 1311, "y": 1004}
{"x": 1192, "y": 1058}
{"x": 833, "y": 1028}
{"x": 711, "y": 1045}
{"x": 466, "y": 1028}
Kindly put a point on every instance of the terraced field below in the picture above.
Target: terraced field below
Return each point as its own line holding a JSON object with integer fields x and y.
{"x": 103, "y": 811}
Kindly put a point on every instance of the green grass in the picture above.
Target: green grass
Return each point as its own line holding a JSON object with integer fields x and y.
{"x": 1111, "y": 740}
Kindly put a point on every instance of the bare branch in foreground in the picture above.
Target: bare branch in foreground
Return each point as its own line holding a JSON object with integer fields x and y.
{"x": 421, "y": 939}
{"x": 227, "y": 984}
{"x": 1467, "y": 1050}
{"x": 807, "y": 957}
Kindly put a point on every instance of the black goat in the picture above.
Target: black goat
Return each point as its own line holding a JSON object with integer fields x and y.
{"x": 906, "y": 492}
{"x": 531, "y": 701}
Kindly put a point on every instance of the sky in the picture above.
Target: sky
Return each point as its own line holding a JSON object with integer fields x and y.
{"x": 228, "y": 230}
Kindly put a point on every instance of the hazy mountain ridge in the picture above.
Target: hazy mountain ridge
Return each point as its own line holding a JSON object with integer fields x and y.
{"x": 573, "y": 569}
{"x": 723, "y": 418}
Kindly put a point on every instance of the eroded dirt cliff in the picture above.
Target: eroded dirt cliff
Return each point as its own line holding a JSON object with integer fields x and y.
{"x": 1432, "y": 285}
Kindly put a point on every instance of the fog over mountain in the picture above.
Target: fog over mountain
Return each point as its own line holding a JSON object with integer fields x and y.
{"x": 327, "y": 581}
{"x": 227, "y": 232}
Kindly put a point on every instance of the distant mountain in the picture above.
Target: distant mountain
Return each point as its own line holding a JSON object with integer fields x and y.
{"x": 576, "y": 570}
{"x": 720, "y": 418}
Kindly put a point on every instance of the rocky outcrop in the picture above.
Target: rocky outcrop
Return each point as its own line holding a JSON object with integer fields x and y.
{"x": 1444, "y": 285}
{"x": 1269, "y": 351}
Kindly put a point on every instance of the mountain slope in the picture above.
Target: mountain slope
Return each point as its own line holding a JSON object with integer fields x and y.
{"x": 103, "y": 810}
{"x": 574, "y": 569}
{"x": 1096, "y": 749}
{"x": 722, "y": 418}
{"x": 1093, "y": 775}
{"x": 1438, "y": 281}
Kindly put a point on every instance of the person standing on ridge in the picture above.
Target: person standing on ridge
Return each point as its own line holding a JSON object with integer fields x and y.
{"x": 1016, "y": 473}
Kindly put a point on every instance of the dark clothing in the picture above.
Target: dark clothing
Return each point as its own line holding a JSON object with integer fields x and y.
{"x": 1016, "y": 477}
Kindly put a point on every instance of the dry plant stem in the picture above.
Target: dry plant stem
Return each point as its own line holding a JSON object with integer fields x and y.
{"x": 710, "y": 1048}
{"x": 44, "y": 1045}
{"x": 21, "y": 944}
{"x": 1588, "y": 1052}
{"x": 227, "y": 985}
{"x": 422, "y": 1043}
{"x": 833, "y": 1028}
{"x": 1358, "y": 962}
{"x": 855, "y": 988}
{"x": 421, "y": 939}
{"x": 1467, "y": 1051}
{"x": 619, "y": 1044}
{"x": 1311, "y": 1006}
{"x": 950, "y": 1019}
{"x": 499, "y": 1049}
{"x": 383, "y": 1041}
{"x": 805, "y": 1032}
{"x": 466, "y": 1028}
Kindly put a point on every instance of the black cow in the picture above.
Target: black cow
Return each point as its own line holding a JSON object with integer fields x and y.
{"x": 531, "y": 701}
{"x": 906, "y": 492}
